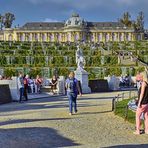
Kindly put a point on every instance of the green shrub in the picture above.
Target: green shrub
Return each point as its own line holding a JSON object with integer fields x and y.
{"x": 9, "y": 72}
{"x": 34, "y": 72}
{"x": 63, "y": 71}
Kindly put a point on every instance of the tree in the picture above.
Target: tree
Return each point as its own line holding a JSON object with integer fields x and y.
{"x": 139, "y": 23}
{"x": 1, "y": 21}
{"x": 8, "y": 19}
{"x": 126, "y": 19}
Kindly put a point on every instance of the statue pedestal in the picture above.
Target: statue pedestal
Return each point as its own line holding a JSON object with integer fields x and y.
{"x": 82, "y": 76}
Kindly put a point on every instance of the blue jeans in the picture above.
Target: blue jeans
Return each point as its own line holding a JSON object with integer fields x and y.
{"x": 21, "y": 93}
{"x": 72, "y": 101}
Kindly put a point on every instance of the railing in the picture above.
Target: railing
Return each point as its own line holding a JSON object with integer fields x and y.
{"x": 122, "y": 96}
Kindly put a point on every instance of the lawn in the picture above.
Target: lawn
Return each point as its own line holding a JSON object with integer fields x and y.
{"x": 121, "y": 111}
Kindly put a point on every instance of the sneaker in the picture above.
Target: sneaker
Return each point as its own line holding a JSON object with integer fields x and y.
{"x": 75, "y": 112}
{"x": 70, "y": 114}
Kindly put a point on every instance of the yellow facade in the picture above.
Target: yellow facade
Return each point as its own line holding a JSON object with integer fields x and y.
{"x": 73, "y": 30}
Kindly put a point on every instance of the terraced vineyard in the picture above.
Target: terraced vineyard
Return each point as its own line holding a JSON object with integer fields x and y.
{"x": 48, "y": 58}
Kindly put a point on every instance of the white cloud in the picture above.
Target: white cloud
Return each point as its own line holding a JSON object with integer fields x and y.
{"x": 80, "y": 4}
{"x": 48, "y": 1}
{"x": 50, "y": 20}
{"x": 37, "y": 1}
{"x": 131, "y": 2}
{"x": 88, "y": 3}
{"x": 125, "y": 2}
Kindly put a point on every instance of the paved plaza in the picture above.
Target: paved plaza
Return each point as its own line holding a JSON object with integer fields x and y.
{"x": 45, "y": 123}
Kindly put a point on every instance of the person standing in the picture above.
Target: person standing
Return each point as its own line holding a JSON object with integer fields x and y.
{"x": 31, "y": 84}
{"x": 38, "y": 82}
{"x": 142, "y": 107}
{"x": 20, "y": 83}
{"x": 26, "y": 87}
{"x": 73, "y": 89}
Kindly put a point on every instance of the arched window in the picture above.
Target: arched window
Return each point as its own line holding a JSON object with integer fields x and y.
{"x": 76, "y": 37}
{"x": 30, "y": 37}
{"x": 43, "y": 37}
{"x": 59, "y": 37}
{"x": 99, "y": 37}
{"x": 68, "y": 37}
{"x": 107, "y": 37}
{"x": 22, "y": 37}
{"x": 10, "y": 37}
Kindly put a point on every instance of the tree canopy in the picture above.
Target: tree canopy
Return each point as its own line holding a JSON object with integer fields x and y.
{"x": 6, "y": 20}
{"x": 138, "y": 24}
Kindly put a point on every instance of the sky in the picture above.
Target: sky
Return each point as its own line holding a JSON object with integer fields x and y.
{"x": 60, "y": 10}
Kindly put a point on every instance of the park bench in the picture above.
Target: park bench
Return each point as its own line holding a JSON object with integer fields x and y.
{"x": 46, "y": 86}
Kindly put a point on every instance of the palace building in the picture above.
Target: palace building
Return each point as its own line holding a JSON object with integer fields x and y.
{"x": 73, "y": 30}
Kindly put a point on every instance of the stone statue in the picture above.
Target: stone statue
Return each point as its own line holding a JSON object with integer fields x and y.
{"x": 80, "y": 59}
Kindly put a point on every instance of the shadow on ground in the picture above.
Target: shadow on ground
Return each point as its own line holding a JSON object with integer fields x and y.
{"x": 35, "y": 137}
{"x": 46, "y": 103}
{"x": 88, "y": 113}
{"x": 30, "y": 120}
{"x": 129, "y": 146}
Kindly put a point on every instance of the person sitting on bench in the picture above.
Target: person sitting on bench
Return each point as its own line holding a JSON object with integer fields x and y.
{"x": 54, "y": 82}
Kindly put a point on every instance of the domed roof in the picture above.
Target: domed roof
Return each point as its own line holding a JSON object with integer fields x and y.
{"x": 75, "y": 21}
{"x": 75, "y": 15}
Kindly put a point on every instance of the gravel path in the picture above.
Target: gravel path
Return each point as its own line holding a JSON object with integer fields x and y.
{"x": 45, "y": 123}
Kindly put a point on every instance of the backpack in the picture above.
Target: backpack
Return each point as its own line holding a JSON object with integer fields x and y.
{"x": 71, "y": 85}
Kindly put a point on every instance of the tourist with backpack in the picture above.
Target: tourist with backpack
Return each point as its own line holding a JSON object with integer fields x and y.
{"x": 73, "y": 89}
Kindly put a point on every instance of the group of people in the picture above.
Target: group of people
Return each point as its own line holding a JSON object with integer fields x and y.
{"x": 25, "y": 84}
{"x": 142, "y": 102}
{"x": 124, "y": 81}
{"x": 72, "y": 87}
